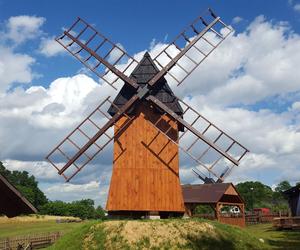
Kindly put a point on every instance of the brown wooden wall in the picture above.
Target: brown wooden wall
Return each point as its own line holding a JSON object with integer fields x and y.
{"x": 145, "y": 173}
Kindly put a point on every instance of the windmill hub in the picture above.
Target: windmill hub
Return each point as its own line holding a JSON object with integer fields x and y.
{"x": 146, "y": 122}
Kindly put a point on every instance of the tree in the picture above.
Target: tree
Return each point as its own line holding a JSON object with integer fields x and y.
{"x": 283, "y": 186}
{"x": 255, "y": 194}
{"x": 203, "y": 209}
{"x": 26, "y": 184}
{"x": 99, "y": 213}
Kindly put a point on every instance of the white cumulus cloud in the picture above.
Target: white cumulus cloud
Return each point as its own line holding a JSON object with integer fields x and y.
{"x": 22, "y": 28}
{"x": 49, "y": 47}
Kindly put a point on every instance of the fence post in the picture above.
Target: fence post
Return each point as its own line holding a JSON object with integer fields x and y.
{"x": 7, "y": 243}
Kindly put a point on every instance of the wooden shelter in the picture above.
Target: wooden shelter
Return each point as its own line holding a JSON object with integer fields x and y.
{"x": 216, "y": 195}
{"x": 12, "y": 202}
{"x": 145, "y": 178}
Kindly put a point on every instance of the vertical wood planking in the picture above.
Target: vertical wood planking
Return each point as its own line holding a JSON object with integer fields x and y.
{"x": 140, "y": 180}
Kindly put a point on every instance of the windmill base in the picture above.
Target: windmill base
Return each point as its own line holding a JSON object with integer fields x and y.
{"x": 144, "y": 214}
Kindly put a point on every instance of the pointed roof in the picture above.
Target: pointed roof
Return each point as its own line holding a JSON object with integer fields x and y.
{"x": 12, "y": 202}
{"x": 209, "y": 193}
{"x": 145, "y": 71}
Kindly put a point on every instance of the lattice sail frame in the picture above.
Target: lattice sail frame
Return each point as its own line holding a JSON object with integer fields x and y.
{"x": 106, "y": 59}
{"x": 113, "y": 65}
{"x": 196, "y": 42}
{"x": 85, "y": 132}
{"x": 214, "y": 150}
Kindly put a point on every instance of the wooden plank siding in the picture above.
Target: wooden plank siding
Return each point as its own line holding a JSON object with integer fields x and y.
{"x": 145, "y": 174}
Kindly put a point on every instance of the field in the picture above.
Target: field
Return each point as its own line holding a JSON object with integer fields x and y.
{"x": 26, "y": 225}
{"x": 158, "y": 234}
{"x": 275, "y": 239}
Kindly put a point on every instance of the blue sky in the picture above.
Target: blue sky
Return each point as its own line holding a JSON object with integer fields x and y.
{"x": 249, "y": 86}
{"x": 135, "y": 23}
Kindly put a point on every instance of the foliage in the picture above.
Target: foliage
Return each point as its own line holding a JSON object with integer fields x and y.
{"x": 26, "y": 184}
{"x": 203, "y": 209}
{"x": 256, "y": 194}
{"x": 83, "y": 209}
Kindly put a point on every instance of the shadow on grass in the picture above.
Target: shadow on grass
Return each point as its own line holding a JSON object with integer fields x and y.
{"x": 287, "y": 239}
{"x": 208, "y": 243}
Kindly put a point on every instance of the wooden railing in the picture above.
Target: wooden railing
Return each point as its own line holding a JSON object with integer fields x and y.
{"x": 255, "y": 218}
{"x": 29, "y": 241}
{"x": 287, "y": 222}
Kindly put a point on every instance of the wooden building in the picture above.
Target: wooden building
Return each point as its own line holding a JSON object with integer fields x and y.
{"x": 145, "y": 177}
{"x": 293, "y": 195}
{"x": 12, "y": 202}
{"x": 291, "y": 222}
{"x": 217, "y": 196}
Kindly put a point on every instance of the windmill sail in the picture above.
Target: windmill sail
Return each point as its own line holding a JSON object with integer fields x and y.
{"x": 107, "y": 60}
{"x": 191, "y": 47}
{"x": 214, "y": 150}
{"x": 89, "y": 138}
{"x": 208, "y": 145}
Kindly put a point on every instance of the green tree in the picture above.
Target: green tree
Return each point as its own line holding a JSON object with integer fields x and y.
{"x": 204, "y": 209}
{"x": 99, "y": 213}
{"x": 26, "y": 184}
{"x": 255, "y": 194}
{"x": 283, "y": 186}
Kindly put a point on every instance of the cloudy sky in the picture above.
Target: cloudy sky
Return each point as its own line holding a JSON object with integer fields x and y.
{"x": 249, "y": 86}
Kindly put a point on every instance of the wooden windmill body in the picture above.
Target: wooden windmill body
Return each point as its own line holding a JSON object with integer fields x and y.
{"x": 145, "y": 175}
{"x": 146, "y": 122}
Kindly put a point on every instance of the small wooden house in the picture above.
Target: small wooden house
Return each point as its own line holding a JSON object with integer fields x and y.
{"x": 12, "y": 202}
{"x": 216, "y": 195}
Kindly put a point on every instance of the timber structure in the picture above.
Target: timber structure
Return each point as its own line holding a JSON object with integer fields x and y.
{"x": 217, "y": 196}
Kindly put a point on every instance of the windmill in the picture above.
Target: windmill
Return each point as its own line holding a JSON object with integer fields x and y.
{"x": 147, "y": 123}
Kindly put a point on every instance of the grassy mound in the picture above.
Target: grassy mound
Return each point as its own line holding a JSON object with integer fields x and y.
{"x": 160, "y": 234}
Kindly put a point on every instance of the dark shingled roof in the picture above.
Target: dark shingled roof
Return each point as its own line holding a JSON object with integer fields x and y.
{"x": 143, "y": 72}
{"x": 12, "y": 202}
{"x": 204, "y": 193}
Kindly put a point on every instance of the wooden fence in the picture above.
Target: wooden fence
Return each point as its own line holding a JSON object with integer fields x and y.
{"x": 256, "y": 218}
{"x": 29, "y": 241}
{"x": 287, "y": 223}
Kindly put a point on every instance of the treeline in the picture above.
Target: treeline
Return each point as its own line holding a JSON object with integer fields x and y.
{"x": 255, "y": 194}
{"x": 28, "y": 186}
{"x": 258, "y": 195}
{"x": 83, "y": 209}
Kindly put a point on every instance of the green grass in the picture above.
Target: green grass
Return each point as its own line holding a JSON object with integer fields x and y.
{"x": 92, "y": 236}
{"x": 75, "y": 240}
{"x": 26, "y": 228}
{"x": 284, "y": 239}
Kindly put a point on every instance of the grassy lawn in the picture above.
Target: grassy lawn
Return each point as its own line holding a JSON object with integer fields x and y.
{"x": 211, "y": 235}
{"x": 285, "y": 239}
{"x": 158, "y": 234}
{"x": 25, "y": 228}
